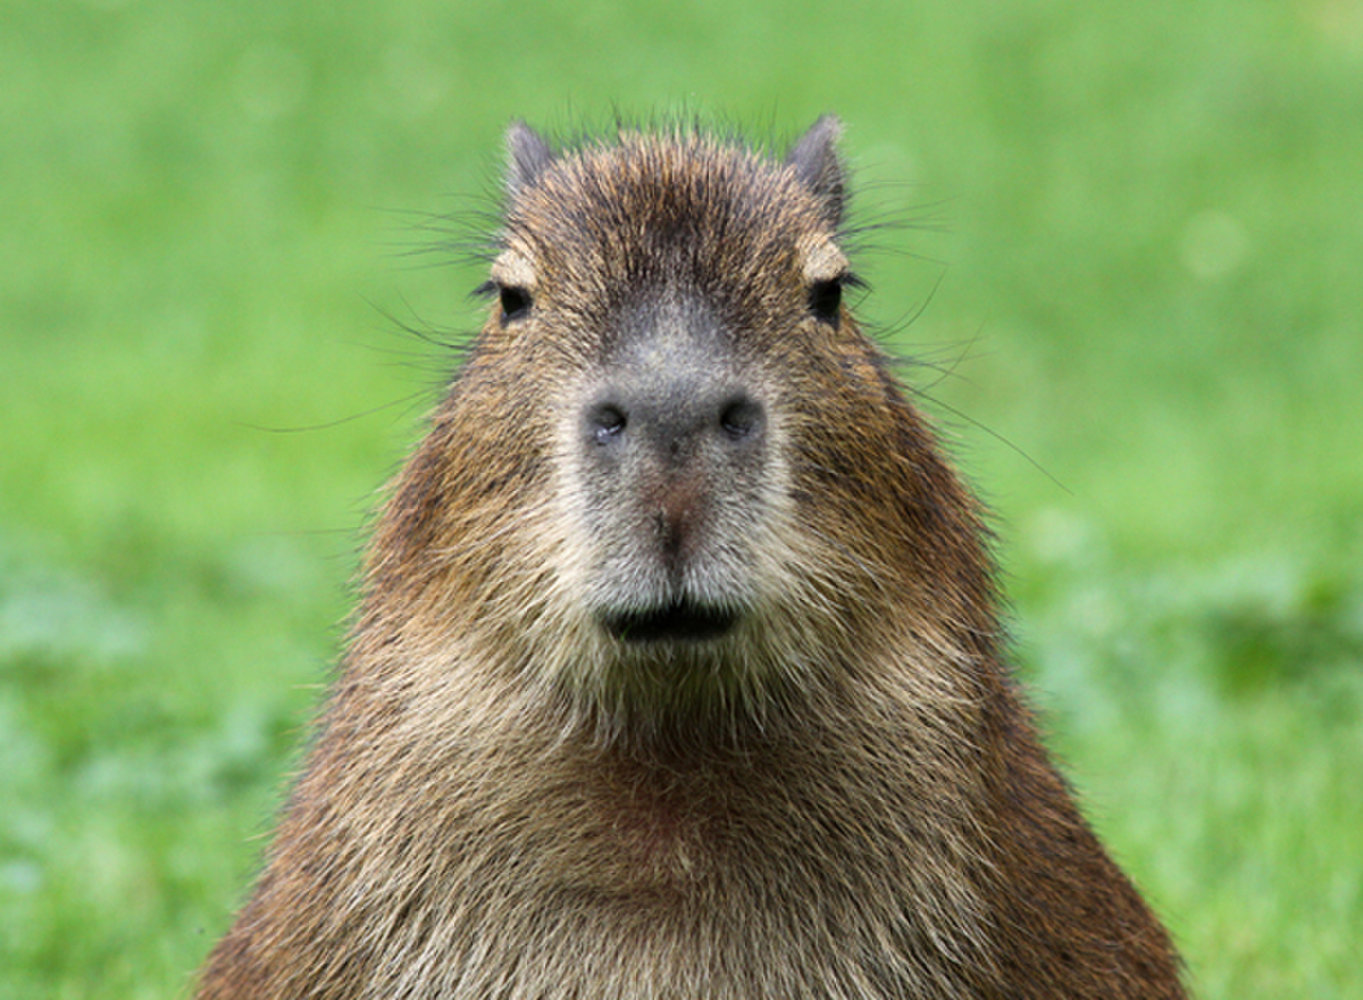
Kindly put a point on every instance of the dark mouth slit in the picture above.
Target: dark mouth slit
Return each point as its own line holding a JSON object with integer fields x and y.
{"x": 682, "y": 621}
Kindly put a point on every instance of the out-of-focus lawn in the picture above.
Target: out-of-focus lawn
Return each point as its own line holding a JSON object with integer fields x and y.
{"x": 1152, "y": 289}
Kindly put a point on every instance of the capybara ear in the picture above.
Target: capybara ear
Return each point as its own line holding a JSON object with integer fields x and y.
{"x": 816, "y": 162}
{"x": 528, "y": 156}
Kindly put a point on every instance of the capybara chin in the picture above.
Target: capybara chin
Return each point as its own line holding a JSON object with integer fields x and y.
{"x": 678, "y": 668}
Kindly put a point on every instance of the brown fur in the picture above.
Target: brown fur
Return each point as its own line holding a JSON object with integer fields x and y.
{"x": 841, "y": 796}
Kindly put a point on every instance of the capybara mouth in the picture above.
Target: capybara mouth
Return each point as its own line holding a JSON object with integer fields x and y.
{"x": 681, "y": 621}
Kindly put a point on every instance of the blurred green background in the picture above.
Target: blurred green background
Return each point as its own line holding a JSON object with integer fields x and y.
{"x": 1138, "y": 260}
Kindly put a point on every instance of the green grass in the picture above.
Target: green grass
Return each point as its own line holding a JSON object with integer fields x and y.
{"x": 1152, "y": 291}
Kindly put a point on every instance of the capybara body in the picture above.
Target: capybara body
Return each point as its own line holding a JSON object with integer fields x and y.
{"x": 678, "y": 668}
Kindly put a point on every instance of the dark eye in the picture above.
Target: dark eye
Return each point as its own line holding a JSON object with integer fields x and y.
{"x": 606, "y": 422}
{"x": 741, "y": 417}
{"x": 825, "y": 300}
{"x": 515, "y": 302}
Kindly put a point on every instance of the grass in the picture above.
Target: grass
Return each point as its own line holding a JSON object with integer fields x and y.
{"x": 1151, "y": 290}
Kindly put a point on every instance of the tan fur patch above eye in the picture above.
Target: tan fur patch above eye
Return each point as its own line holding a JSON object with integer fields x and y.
{"x": 821, "y": 260}
{"x": 513, "y": 269}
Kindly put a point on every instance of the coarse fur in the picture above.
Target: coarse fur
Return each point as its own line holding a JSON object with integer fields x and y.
{"x": 644, "y": 704}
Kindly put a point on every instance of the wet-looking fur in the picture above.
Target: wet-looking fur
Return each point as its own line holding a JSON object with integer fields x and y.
{"x": 677, "y": 672}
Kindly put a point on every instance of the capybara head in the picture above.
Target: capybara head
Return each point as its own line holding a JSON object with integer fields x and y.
{"x": 686, "y": 475}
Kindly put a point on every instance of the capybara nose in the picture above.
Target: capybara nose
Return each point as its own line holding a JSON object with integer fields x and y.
{"x": 673, "y": 420}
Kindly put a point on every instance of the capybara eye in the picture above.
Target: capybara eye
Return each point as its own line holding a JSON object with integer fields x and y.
{"x": 741, "y": 417}
{"x": 515, "y": 302}
{"x": 825, "y": 299}
{"x": 607, "y": 423}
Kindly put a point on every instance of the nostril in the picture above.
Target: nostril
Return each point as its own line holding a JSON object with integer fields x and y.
{"x": 605, "y": 422}
{"x": 741, "y": 417}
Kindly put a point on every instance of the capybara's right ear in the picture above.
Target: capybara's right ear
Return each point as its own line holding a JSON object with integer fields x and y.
{"x": 528, "y": 155}
{"x": 816, "y": 162}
